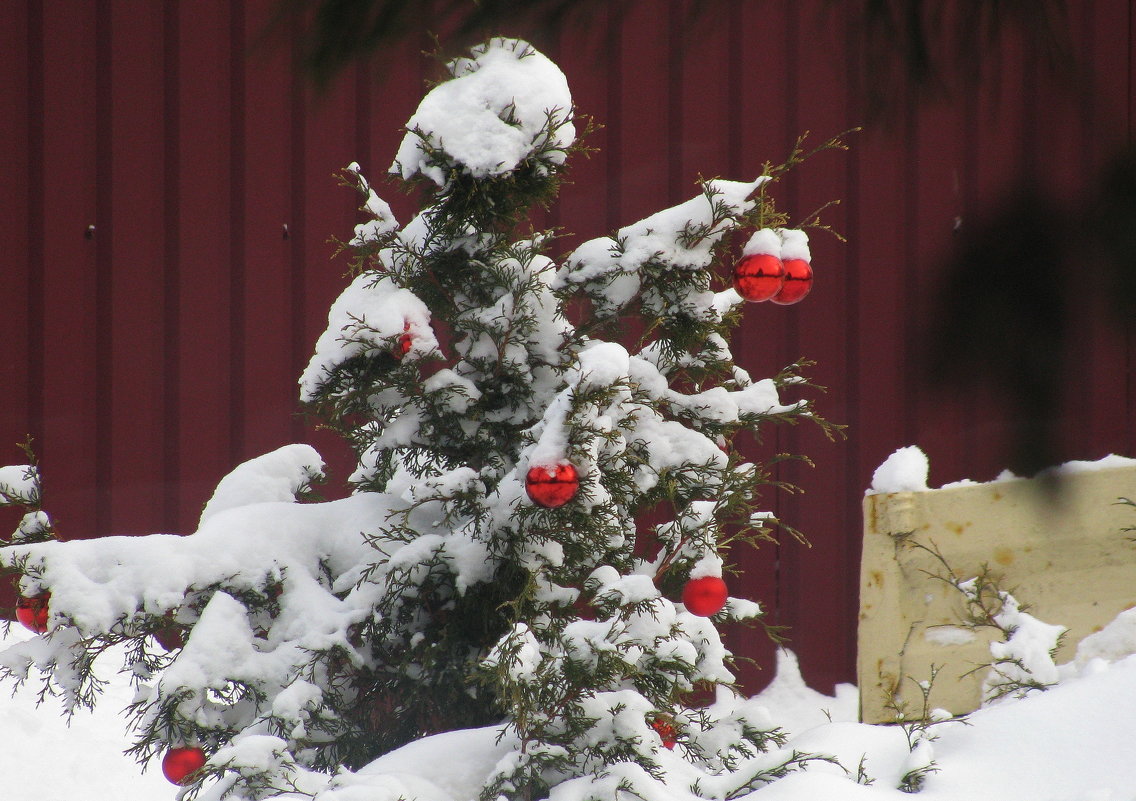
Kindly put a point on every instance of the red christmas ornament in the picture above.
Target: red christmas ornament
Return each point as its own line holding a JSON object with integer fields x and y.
{"x": 705, "y": 596}
{"x": 552, "y": 486}
{"x": 798, "y": 282}
{"x": 759, "y": 276}
{"x": 179, "y": 763}
{"x": 666, "y": 732}
{"x": 32, "y": 612}
{"x": 404, "y": 342}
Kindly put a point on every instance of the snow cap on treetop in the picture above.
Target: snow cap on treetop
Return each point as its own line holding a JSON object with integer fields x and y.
{"x": 505, "y": 103}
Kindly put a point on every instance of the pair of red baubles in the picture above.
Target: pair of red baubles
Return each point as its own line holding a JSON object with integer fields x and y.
{"x": 763, "y": 276}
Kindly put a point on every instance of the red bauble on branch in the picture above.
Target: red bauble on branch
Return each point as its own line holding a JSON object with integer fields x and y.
{"x": 705, "y": 596}
{"x": 666, "y": 732}
{"x": 798, "y": 282}
{"x": 797, "y": 258}
{"x": 759, "y": 273}
{"x": 32, "y": 612}
{"x": 180, "y": 763}
{"x": 552, "y": 486}
{"x": 405, "y": 342}
{"x": 759, "y": 276}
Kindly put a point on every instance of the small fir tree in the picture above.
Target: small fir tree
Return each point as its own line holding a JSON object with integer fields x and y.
{"x": 493, "y": 564}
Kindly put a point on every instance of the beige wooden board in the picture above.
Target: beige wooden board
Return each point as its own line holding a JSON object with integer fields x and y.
{"x": 1067, "y": 557}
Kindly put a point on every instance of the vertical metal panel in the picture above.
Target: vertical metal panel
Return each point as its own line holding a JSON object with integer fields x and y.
{"x": 326, "y": 208}
{"x": 395, "y": 89}
{"x": 588, "y": 203}
{"x": 1099, "y": 393}
{"x": 15, "y": 193}
{"x": 238, "y": 244}
{"x": 1129, "y": 139}
{"x": 939, "y": 164}
{"x": 204, "y": 309}
{"x": 166, "y": 348}
{"x": 701, "y": 99}
{"x": 267, "y": 402}
{"x": 104, "y": 267}
{"x": 16, "y": 201}
{"x": 995, "y": 162}
{"x": 169, "y": 332}
{"x": 640, "y": 145}
{"x": 133, "y": 272}
{"x": 752, "y": 124}
{"x": 68, "y": 336}
{"x": 822, "y": 328}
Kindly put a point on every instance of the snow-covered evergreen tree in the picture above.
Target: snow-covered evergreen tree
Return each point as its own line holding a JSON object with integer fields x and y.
{"x": 493, "y": 564}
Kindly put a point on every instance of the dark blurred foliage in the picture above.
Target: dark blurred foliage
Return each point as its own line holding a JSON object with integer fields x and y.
{"x": 1001, "y": 321}
{"x": 931, "y": 46}
{"x": 919, "y": 51}
{"x": 1111, "y": 226}
{"x": 1017, "y": 285}
{"x": 334, "y": 34}
{"x": 1002, "y": 318}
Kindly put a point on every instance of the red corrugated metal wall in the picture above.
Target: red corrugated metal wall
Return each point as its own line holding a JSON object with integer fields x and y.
{"x": 167, "y": 199}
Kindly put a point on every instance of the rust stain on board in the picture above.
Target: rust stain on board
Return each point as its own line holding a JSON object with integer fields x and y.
{"x": 1004, "y": 556}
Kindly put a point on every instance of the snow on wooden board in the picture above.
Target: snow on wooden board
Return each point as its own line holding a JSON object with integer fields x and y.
{"x": 1060, "y": 550}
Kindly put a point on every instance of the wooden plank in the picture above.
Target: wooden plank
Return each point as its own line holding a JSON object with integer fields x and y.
{"x": 69, "y": 438}
{"x": 137, "y": 360}
{"x": 1069, "y": 561}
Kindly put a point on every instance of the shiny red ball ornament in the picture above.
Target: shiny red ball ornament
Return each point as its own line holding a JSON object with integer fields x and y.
{"x": 404, "y": 342}
{"x": 705, "y": 596}
{"x": 552, "y": 486}
{"x": 798, "y": 282}
{"x": 180, "y": 763}
{"x": 666, "y": 732}
{"x": 32, "y": 612}
{"x": 759, "y": 276}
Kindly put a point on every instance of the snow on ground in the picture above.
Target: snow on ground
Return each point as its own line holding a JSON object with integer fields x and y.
{"x": 41, "y": 759}
{"x": 1070, "y": 743}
